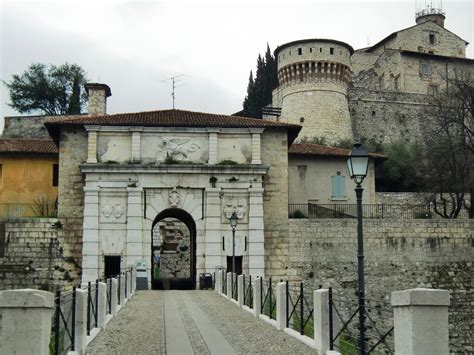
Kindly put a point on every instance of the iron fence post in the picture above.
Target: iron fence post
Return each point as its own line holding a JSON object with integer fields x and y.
{"x": 89, "y": 308}
{"x": 56, "y": 321}
{"x": 287, "y": 304}
{"x": 301, "y": 310}
{"x": 96, "y": 301}
{"x": 261, "y": 296}
{"x": 360, "y": 270}
{"x": 118, "y": 290}
{"x": 331, "y": 335}
{"x": 73, "y": 327}
{"x": 270, "y": 290}
{"x": 245, "y": 289}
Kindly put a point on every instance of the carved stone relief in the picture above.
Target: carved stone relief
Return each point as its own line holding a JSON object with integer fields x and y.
{"x": 113, "y": 211}
{"x": 174, "y": 197}
{"x": 185, "y": 148}
{"x": 112, "y": 208}
{"x": 231, "y": 204}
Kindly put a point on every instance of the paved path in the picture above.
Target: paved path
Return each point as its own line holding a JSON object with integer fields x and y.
{"x": 190, "y": 322}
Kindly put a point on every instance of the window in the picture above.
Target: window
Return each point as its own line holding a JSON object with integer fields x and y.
{"x": 2, "y": 240}
{"x": 55, "y": 174}
{"x": 338, "y": 186}
{"x": 331, "y": 51}
{"x": 320, "y": 50}
{"x": 425, "y": 68}
{"x": 432, "y": 38}
{"x": 300, "y": 51}
{"x": 433, "y": 90}
{"x": 311, "y": 50}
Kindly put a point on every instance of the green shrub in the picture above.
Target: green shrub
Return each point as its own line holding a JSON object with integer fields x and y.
{"x": 227, "y": 162}
{"x": 297, "y": 214}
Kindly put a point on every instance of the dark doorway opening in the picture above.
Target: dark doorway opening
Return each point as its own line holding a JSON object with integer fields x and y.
{"x": 173, "y": 250}
{"x": 238, "y": 264}
{"x": 111, "y": 265}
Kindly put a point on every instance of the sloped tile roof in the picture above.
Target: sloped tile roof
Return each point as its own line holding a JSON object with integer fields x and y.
{"x": 322, "y": 150}
{"x": 170, "y": 118}
{"x": 40, "y": 146}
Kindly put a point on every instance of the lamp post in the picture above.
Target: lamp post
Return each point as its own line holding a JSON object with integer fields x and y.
{"x": 233, "y": 223}
{"x": 358, "y": 163}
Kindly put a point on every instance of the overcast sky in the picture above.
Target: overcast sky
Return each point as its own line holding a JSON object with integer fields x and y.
{"x": 134, "y": 46}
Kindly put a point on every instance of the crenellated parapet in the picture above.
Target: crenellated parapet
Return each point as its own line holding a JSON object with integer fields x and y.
{"x": 314, "y": 71}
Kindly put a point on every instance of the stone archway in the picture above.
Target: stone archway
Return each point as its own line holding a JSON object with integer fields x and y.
{"x": 173, "y": 250}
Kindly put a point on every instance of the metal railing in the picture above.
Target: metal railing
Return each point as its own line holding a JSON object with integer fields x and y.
{"x": 267, "y": 298}
{"x": 27, "y": 210}
{"x": 63, "y": 324}
{"x": 248, "y": 291}
{"x": 375, "y": 211}
{"x": 343, "y": 321}
{"x": 299, "y": 310}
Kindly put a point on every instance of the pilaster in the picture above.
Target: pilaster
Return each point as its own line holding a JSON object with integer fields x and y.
{"x": 256, "y": 145}
{"x": 90, "y": 237}
{"x": 256, "y": 250}
{"x": 134, "y": 246}
{"x": 92, "y": 143}
{"x": 136, "y": 143}
{"x": 213, "y": 146}
{"x": 213, "y": 229}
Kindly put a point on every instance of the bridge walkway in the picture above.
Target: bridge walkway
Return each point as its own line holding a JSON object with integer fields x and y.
{"x": 190, "y": 322}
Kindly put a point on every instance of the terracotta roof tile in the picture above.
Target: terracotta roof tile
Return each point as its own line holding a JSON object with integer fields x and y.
{"x": 40, "y": 146}
{"x": 169, "y": 118}
{"x": 321, "y": 150}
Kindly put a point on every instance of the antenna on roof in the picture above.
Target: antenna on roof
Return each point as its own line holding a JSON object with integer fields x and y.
{"x": 174, "y": 80}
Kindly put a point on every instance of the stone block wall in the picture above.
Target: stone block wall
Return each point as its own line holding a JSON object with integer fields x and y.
{"x": 34, "y": 255}
{"x": 399, "y": 254}
{"x": 26, "y": 127}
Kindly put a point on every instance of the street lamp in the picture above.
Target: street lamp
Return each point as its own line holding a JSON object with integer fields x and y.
{"x": 233, "y": 223}
{"x": 358, "y": 163}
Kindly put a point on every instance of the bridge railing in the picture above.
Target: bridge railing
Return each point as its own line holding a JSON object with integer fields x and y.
{"x": 327, "y": 320}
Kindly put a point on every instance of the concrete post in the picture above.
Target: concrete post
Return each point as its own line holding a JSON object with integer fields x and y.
{"x": 102, "y": 306}
{"x": 321, "y": 320}
{"x": 240, "y": 290}
{"x": 122, "y": 289}
{"x": 81, "y": 320}
{"x": 129, "y": 285}
{"x": 421, "y": 321}
{"x": 257, "y": 301}
{"x": 229, "y": 285}
{"x": 134, "y": 279}
{"x": 114, "y": 298}
{"x": 218, "y": 283}
{"x": 26, "y": 321}
{"x": 281, "y": 305}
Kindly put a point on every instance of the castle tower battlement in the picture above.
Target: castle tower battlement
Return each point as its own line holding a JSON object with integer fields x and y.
{"x": 313, "y": 78}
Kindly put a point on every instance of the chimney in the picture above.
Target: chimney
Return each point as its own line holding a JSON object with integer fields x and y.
{"x": 97, "y": 98}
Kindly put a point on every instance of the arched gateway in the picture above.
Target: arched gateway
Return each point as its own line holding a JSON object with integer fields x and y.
{"x": 173, "y": 250}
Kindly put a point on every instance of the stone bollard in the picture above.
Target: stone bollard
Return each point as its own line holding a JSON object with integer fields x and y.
{"x": 81, "y": 320}
{"x": 281, "y": 305}
{"x": 257, "y": 301}
{"x": 26, "y": 321}
{"x": 240, "y": 290}
{"x": 129, "y": 285}
{"x": 321, "y": 320}
{"x": 122, "y": 289}
{"x": 421, "y": 321}
{"x": 114, "y": 296}
{"x": 217, "y": 281}
{"x": 102, "y": 306}
{"x": 134, "y": 279}
{"x": 229, "y": 285}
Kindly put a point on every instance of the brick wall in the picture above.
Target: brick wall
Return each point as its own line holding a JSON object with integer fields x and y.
{"x": 398, "y": 255}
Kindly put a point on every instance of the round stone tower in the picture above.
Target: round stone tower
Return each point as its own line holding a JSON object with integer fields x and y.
{"x": 313, "y": 76}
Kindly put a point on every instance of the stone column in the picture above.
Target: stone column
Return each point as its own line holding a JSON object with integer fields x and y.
{"x": 213, "y": 145}
{"x": 26, "y": 321}
{"x": 92, "y": 144}
{"x": 136, "y": 143}
{"x": 281, "y": 305}
{"x": 134, "y": 243}
{"x": 256, "y": 145}
{"x": 420, "y": 318}
{"x": 102, "y": 306}
{"x": 321, "y": 320}
{"x": 81, "y": 320}
{"x": 213, "y": 229}
{"x": 90, "y": 236}
{"x": 256, "y": 251}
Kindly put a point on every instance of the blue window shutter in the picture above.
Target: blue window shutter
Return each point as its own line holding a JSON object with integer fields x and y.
{"x": 342, "y": 186}
{"x": 338, "y": 186}
{"x": 334, "y": 186}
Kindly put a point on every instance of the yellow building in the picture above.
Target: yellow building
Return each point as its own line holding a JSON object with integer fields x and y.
{"x": 28, "y": 177}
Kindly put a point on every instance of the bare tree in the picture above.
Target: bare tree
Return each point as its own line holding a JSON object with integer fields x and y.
{"x": 449, "y": 153}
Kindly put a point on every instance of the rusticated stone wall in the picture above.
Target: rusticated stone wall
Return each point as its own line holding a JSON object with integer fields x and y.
{"x": 26, "y": 127}
{"x": 399, "y": 254}
{"x": 36, "y": 255}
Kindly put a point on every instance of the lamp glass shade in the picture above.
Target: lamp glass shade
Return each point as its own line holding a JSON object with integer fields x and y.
{"x": 358, "y": 162}
{"x": 233, "y": 220}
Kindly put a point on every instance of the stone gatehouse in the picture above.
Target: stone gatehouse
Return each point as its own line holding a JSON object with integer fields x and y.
{"x": 162, "y": 185}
